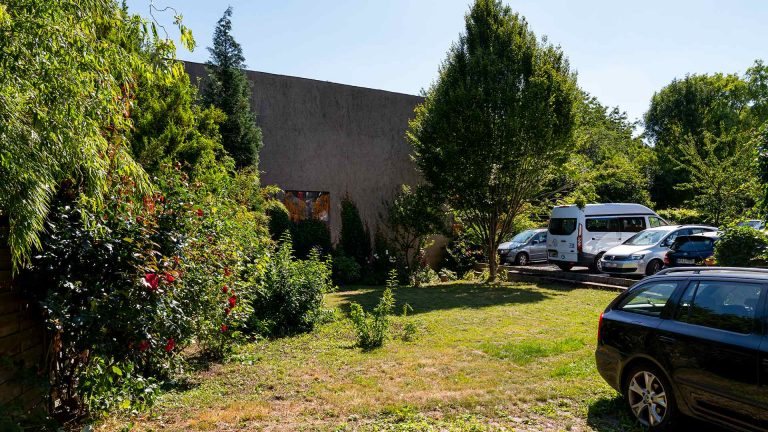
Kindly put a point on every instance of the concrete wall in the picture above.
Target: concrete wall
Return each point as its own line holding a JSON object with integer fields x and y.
{"x": 322, "y": 136}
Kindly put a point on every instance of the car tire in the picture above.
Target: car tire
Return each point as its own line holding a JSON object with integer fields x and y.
{"x": 565, "y": 267}
{"x": 653, "y": 267}
{"x": 522, "y": 259}
{"x": 650, "y": 398}
{"x": 596, "y": 267}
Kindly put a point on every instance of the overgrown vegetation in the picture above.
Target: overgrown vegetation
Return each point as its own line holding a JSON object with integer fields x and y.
{"x": 372, "y": 327}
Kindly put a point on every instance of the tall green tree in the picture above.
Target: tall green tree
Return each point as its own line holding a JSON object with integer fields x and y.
{"x": 685, "y": 112}
{"x": 498, "y": 118}
{"x": 228, "y": 89}
{"x": 68, "y": 74}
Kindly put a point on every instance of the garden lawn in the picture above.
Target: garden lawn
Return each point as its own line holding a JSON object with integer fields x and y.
{"x": 485, "y": 357}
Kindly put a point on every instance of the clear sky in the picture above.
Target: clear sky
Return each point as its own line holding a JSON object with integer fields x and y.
{"x": 623, "y": 51}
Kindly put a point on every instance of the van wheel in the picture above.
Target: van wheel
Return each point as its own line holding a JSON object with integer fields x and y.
{"x": 596, "y": 267}
{"x": 649, "y": 396}
{"x": 565, "y": 267}
{"x": 521, "y": 259}
{"x": 653, "y": 267}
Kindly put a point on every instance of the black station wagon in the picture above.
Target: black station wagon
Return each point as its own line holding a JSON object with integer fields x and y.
{"x": 690, "y": 341}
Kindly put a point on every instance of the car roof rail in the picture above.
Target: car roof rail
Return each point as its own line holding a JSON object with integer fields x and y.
{"x": 698, "y": 270}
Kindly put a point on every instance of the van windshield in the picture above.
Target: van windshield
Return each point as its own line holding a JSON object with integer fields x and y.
{"x": 523, "y": 236}
{"x": 562, "y": 226}
{"x": 646, "y": 238}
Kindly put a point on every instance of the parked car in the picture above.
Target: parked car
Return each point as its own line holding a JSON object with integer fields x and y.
{"x": 526, "y": 247}
{"x": 581, "y": 236}
{"x": 753, "y": 223}
{"x": 644, "y": 252}
{"x": 692, "y": 250}
{"x": 690, "y": 340}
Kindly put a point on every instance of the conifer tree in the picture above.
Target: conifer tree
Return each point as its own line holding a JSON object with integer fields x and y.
{"x": 227, "y": 88}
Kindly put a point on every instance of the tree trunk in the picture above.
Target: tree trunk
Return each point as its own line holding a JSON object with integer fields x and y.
{"x": 492, "y": 258}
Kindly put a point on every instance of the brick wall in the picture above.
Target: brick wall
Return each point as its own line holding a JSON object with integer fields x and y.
{"x": 22, "y": 340}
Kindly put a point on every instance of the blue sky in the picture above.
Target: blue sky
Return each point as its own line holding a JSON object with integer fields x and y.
{"x": 623, "y": 51}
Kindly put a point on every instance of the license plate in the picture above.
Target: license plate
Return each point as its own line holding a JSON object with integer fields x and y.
{"x": 608, "y": 264}
{"x": 685, "y": 261}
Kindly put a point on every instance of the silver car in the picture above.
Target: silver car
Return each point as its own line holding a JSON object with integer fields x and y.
{"x": 643, "y": 253}
{"x": 526, "y": 247}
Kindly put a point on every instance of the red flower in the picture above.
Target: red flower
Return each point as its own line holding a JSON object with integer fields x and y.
{"x": 227, "y": 310}
{"x": 169, "y": 277}
{"x": 170, "y": 345}
{"x": 151, "y": 281}
{"x": 232, "y": 301}
{"x": 224, "y": 328}
{"x": 227, "y": 272}
{"x": 224, "y": 289}
{"x": 143, "y": 345}
{"x": 199, "y": 213}
{"x": 139, "y": 219}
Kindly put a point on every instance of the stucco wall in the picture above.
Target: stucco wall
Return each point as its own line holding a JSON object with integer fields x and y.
{"x": 322, "y": 136}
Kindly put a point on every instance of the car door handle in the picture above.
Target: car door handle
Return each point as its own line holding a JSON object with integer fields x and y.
{"x": 667, "y": 339}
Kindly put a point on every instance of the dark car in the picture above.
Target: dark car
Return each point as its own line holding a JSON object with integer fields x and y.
{"x": 691, "y": 250}
{"x": 691, "y": 341}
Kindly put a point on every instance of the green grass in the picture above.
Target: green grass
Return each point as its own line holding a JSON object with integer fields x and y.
{"x": 484, "y": 357}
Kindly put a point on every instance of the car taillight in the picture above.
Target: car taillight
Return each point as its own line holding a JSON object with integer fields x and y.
{"x": 579, "y": 240}
{"x": 666, "y": 258}
{"x": 599, "y": 327}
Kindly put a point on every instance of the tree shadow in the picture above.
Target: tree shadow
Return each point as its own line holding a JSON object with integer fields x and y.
{"x": 613, "y": 415}
{"x": 446, "y": 296}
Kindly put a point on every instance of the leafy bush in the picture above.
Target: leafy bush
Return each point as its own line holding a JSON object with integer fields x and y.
{"x": 279, "y": 218}
{"x": 290, "y": 295}
{"x": 354, "y": 241}
{"x": 346, "y": 270}
{"x": 372, "y": 327}
{"x": 681, "y": 216}
{"x": 310, "y": 234}
{"x": 741, "y": 247}
{"x": 140, "y": 282}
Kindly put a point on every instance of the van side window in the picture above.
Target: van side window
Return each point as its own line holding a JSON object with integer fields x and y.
{"x": 603, "y": 225}
{"x": 648, "y": 299}
{"x": 632, "y": 224}
{"x": 721, "y": 305}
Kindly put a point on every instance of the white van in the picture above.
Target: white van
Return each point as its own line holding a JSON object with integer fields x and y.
{"x": 581, "y": 236}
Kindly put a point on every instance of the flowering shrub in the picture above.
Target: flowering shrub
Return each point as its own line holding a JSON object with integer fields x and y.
{"x": 128, "y": 287}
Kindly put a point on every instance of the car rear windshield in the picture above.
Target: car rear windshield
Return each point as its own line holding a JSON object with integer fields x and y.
{"x": 692, "y": 244}
{"x": 562, "y": 226}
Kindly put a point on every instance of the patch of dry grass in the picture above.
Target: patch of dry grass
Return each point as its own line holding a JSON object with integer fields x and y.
{"x": 498, "y": 357}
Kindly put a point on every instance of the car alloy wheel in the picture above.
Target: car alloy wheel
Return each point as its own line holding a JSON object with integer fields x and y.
{"x": 653, "y": 267}
{"x": 648, "y": 398}
{"x": 522, "y": 259}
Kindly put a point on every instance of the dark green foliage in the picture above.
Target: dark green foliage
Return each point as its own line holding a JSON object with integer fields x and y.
{"x": 310, "y": 234}
{"x": 290, "y": 296}
{"x": 500, "y": 115}
{"x": 346, "y": 271}
{"x": 385, "y": 259}
{"x": 372, "y": 327}
{"x": 413, "y": 215}
{"x": 228, "y": 89}
{"x": 354, "y": 240}
{"x": 685, "y": 111}
{"x": 741, "y": 247}
{"x": 279, "y": 219}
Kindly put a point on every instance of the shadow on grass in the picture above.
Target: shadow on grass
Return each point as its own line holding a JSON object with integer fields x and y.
{"x": 613, "y": 415}
{"x": 445, "y": 296}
